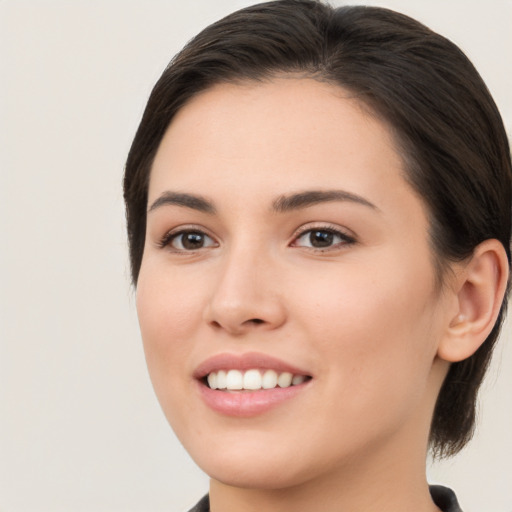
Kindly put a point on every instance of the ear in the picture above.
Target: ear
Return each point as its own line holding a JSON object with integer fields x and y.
{"x": 479, "y": 288}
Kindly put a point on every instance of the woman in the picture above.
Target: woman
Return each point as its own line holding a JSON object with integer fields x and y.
{"x": 318, "y": 206}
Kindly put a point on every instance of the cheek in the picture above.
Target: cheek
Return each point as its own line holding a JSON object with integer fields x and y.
{"x": 374, "y": 328}
{"x": 356, "y": 299}
{"x": 169, "y": 312}
{"x": 169, "y": 315}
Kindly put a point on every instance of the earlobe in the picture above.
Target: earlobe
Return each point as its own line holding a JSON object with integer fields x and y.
{"x": 480, "y": 286}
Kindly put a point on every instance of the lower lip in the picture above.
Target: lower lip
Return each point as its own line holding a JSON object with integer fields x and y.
{"x": 244, "y": 404}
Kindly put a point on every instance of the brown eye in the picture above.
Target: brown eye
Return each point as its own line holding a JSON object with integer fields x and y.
{"x": 322, "y": 239}
{"x": 190, "y": 241}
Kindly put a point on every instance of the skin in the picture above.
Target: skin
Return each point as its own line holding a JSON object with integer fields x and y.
{"x": 364, "y": 316}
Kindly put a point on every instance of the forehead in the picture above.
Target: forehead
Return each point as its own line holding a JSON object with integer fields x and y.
{"x": 288, "y": 132}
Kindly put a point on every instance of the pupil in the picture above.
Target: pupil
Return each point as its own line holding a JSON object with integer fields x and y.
{"x": 321, "y": 238}
{"x": 193, "y": 240}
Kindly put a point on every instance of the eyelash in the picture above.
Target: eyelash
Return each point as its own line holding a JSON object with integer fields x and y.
{"x": 346, "y": 240}
{"x": 172, "y": 235}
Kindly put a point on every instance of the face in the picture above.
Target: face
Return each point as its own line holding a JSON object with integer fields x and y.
{"x": 283, "y": 243}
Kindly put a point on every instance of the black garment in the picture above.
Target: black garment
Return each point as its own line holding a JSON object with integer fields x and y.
{"x": 202, "y": 506}
{"x": 443, "y": 497}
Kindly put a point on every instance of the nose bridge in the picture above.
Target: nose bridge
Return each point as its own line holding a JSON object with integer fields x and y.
{"x": 245, "y": 294}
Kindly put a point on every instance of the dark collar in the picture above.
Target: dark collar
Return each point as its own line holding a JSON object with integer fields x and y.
{"x": 202, "y": 506}
{"x": 445, "y": 498}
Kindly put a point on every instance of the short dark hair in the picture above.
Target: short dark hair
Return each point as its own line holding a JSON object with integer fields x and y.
{"x": 445, "y": 122}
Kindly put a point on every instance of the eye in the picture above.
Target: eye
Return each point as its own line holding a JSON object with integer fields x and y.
{"x": 188, "y": 240}
{"x": 322, "y": 238}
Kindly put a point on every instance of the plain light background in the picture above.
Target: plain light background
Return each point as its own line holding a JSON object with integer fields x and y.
{"x": 80, "y": 428}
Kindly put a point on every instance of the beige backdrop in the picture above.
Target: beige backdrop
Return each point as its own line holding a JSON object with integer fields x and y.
{"x": 80, "y": 429}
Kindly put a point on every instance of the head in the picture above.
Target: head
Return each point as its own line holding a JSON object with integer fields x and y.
{"x": 443, "y": 122}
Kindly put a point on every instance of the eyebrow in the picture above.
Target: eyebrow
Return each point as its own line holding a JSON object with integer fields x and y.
{"x": 308, "y": 198}
{"x": 282, "y": 204}
{"x": 192, "y": 201}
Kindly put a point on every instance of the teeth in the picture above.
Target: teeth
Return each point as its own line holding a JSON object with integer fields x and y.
{"x": 284, "y": 380}
{"x": 234, "y": 380}
{"x": 269, "y": 379}
{"x": 252, "y": 379}
{"x": 212, "y": 380}
{"x": 221, "y": 379}
{"x": 298, "y": 379}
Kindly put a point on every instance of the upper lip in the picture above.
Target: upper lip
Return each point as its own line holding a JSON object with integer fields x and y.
{"x": 245, "y": 361}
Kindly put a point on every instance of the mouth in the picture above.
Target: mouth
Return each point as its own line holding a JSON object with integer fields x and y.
{"x": 254, "y": 379}
{"x": 249, "y": 384}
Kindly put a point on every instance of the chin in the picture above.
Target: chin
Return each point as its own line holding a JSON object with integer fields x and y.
{"x": 262, "y": 474}
{"x": 253, "y": 465}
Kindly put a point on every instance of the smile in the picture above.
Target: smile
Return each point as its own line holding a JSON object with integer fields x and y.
{"x": 253, "y": 379}
{"x": 249, "y": 384}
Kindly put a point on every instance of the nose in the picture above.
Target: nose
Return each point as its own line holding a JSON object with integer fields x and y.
{"x": 246, "y": 295}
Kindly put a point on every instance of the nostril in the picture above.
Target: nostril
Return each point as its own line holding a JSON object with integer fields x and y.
{"x": 256, "y": 321}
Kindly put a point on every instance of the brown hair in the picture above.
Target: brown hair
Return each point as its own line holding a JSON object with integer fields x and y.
{"x": 446, "y": 124}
